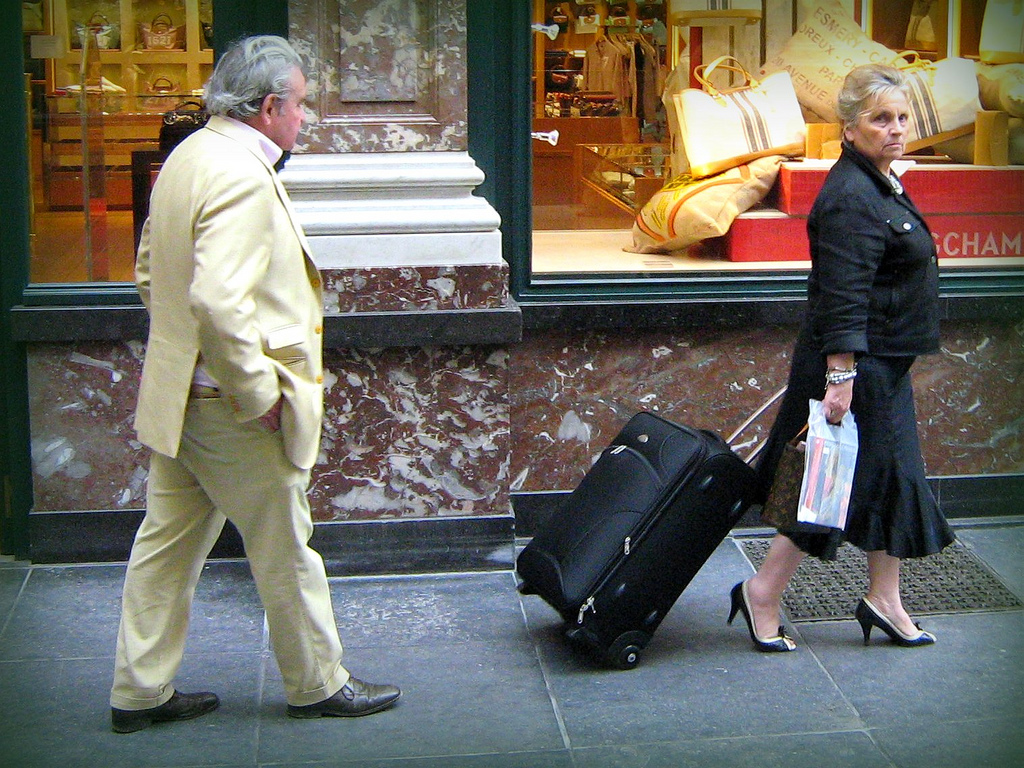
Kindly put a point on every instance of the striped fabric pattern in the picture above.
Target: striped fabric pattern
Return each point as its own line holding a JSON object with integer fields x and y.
{"x": 923, "y": 108}
{"x": 755, "y": 128}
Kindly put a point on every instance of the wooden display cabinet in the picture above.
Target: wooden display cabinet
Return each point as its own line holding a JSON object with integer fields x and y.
{"x": 130, "y": 64}
{"x": 122, "y": 134}
{"x": 563, "y": 102}
{"x": 154, "y": 80}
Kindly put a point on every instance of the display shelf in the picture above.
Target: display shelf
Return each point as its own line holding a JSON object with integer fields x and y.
{"x": 153, "y": 80}
{"x": 121, "y": 132}
{"x": 191, "y": 50}
{"x": 627, "y": 175}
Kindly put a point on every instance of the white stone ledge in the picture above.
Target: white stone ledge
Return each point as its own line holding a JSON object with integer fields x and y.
{"x": 409, "y": 250}
{"x": 393, "y": 209}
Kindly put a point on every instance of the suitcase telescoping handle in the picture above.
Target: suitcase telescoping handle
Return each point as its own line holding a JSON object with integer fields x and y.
{"x": 750, "y": 420}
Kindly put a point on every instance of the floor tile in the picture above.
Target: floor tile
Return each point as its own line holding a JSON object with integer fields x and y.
{"x": 489, "y": 682}
{"x": 975, "y": 669}
{"x": 554, "y": 759}
{"x": 458, "y": 699}
{"x": 402, "y": 611}
{"x": 851, "y": 749}
{"x": 981, "y": 743}
{"x": 12, "y": 579}
{"x": 227, "y": 612}
{"x": 65, "y": 612}
{"x": 1002, "y": 549}
{"x": 69, "y": 723}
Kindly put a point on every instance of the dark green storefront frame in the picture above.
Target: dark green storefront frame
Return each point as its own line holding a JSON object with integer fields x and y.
{"x": 15, "y": 459}
{"x": 499, "y": 116}
{"x": 235, "y": 18}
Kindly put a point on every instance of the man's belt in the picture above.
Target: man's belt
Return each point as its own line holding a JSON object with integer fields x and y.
{"x": 203, "y": 392}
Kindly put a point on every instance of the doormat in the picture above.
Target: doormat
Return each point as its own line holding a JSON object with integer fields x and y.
{"x": 952, "y": 581}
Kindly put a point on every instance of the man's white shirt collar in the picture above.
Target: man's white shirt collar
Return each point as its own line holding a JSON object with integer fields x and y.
{"x": 270, "y": 149}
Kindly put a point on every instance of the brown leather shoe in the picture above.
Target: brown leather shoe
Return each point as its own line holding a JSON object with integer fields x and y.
{"x": 355, "y": 699}
{"x": 181, "y": 706}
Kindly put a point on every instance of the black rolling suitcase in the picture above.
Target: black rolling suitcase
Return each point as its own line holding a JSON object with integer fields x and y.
{"x": 624, "y": 544}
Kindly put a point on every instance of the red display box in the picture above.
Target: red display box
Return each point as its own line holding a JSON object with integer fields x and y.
{"x": 771, "y": 235}
{"x": 933, "y": 188}
{"x": 767, "y": 235}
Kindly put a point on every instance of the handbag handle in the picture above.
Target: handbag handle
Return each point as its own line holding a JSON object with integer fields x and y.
{"x": 97, "y": 20}
{"x": 794, "y": 442}
{"x": 912, "y": 61}
{"x": 162, "y": 84}
{"x": 161, "y": 23}
{"x": 188, "y": 105}
{"x": 703, "y": 72}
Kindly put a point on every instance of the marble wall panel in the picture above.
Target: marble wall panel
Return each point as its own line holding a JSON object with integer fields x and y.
{"x": 970, "y": 401}
{"x": 384, "y": 75}
{"x": 414, "y": 433}
{"x": 572, "y": 392}
{"x": 419, "y": 432}
{"x": 381, "y": 289}
{"x": 82, "y": 405}
{"x": 450, "y": 431}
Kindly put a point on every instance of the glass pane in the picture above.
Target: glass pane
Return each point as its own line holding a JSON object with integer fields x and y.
{"x": 598, "y": 129}
{"x": 105, "y": 71}
{"x": 602, "y": 139}
{"x": 604, "y": 145}
{"x": 913, "y": 25}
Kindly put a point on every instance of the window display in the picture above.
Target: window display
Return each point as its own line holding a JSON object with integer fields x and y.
{"x": 119, "y": 66}
{"x": 619, "y": 188}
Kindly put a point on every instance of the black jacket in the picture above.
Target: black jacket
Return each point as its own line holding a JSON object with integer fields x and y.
{"x": 874, "y": 279}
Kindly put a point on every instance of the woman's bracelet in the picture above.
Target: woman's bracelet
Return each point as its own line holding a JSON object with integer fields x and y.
{"x": 839, "y": 375}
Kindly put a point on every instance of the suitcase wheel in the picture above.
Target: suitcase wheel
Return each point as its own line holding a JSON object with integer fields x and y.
{"x": 624, "y": 653}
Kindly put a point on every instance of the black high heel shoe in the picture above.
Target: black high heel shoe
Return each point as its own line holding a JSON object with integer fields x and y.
{"x": 868, "y": 616}
{"x": 740, "y": 604}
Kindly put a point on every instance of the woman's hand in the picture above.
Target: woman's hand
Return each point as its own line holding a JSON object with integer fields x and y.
{"x": 838, "y": 396}
{"x": 837, "y": 401}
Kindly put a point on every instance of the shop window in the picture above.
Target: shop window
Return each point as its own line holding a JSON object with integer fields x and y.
{"x": 103, "y": 74}
{"x": 602, "y": 143}
{"x": 601, "y": 139}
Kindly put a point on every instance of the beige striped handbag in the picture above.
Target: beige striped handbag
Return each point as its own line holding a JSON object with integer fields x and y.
{"x": 944, "y": 94}
{"x": 724, "y": 128}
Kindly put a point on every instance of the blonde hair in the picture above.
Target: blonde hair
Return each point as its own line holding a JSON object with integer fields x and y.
{"x": 863, "y": 85}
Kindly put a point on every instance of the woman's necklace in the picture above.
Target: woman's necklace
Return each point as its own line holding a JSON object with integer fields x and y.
{"x": 897, "y": 187}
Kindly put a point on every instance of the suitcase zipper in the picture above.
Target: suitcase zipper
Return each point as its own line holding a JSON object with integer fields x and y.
{"x": 589, "y": 605}
{"x": 638, "y": 534}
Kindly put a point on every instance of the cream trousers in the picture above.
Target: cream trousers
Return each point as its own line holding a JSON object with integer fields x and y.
{"x": 225, "y": 470}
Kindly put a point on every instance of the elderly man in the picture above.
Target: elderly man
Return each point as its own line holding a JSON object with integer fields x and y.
{"x": 231, "y": 401}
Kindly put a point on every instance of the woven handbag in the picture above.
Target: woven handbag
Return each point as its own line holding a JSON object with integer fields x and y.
{"x": 780, "y": 508}
{"x": 1002, "y": 32}
{"x": 686, "y": 210}
{"x": 827, "y": 43}
{"x": 721, "y": 129}
{"x": 944, "y": 94}
{"x": 161, "y": 34}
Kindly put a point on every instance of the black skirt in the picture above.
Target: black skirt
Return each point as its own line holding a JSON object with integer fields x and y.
{"x": 892, "y": 507}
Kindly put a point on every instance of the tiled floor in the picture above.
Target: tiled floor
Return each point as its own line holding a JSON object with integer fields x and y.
{"x": 489, "y": 684}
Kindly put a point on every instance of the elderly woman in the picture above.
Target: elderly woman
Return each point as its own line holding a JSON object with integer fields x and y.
{"x": 872, "y": 308}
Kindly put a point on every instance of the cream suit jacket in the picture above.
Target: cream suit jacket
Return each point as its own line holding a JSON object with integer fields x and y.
{"x": 223, "y": 268}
